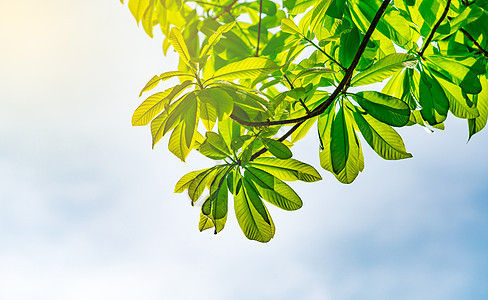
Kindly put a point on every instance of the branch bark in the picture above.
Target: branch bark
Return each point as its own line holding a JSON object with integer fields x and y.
{"x": 470, "y": 37}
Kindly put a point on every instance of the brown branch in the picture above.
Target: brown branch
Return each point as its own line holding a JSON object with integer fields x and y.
{"x": 226, "y": 9}
{"x": 322, "y": 107}
{"x": 470, "y": 37}
{"x": 436, "y": 26}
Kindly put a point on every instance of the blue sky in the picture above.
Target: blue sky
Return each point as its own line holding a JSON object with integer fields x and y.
{"x": 87, "y": 209}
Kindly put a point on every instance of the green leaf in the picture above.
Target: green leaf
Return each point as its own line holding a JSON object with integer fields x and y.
{"x": 460, "y": 73}
{"x": 208, "y": 114}
{"x": 349, "y": 45}
{"x": 157, "y": 127}
{"x": 300, "y": 6}
{"x": 339, "y": 143}
{"x": 252, "y": 215}
{"x": 183, "y": 136}
{"x": 384, "y": 68}
{"x": 167, "y": 75}
{"x": 318, "y": 13}
{"x": 324, "y": 125}
{"x": 204, "y": 223}
{"x": 149, "y": 18}
{"x": 302, "y": 130}
{"x": 286, "y": 169}
{"x": 229, "y": 129}
{"x": 214, "y": 147}
{"x": 434, "y": 103}
{"x": 288, "y": 26}
{"x": 239, "y": 141}
{"x": 219, "y": 99}
{"x": 178, "y": 110}
{"x": 177, "y": 144}
{"x": 215, "y": 206}
{"x": 273, "y": 190}
{"x": 383, "y": 139}
{"x": 277, "y": 148}
{"x": 197, "y": 185}
{"x": 481, "y": 100}
{"x": 247, "y": 153}
{"x": 387, "y": 109}
{"x": 250, "y": 67}
{"x": 178, "y": 43}
{"x": 314, "y": 70}
{"x": 459, "y": 103}
{"x": 215, "y": 38}
{"x": 137, "y": 8}
{"x": 191, "y": 123}
{"x": 354, "y": 161}
{"x": 154, "y": 104}
{"x": 186, "y": 180}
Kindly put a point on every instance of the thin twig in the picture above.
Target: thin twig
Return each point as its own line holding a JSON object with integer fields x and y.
{"x": 436, "y": 26}
{"x": 322, "y": 107}
{"x": 325, "y": 53}
{"x": 240, "y": 28}
{"x": 470, "y": 37}
{"x": 299, "y": 99}
{"x": 259, "y": 26}
{"x": 226, "y": 9}
{"x": 205, "y": 3}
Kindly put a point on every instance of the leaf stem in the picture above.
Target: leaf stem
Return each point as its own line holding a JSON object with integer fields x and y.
{"x": 436, "y": 26}
{"x": 259, "y": 26}
{"x": 240, "y": 28}
{"x": 299, "y": 99}
{"x": 325, "y": 53}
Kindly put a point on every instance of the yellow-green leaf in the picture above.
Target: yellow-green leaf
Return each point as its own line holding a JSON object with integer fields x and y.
{"x": 286, "y": 169}
{"x": 154, "y": 104}
{"x": 384, "y": 68}
{"x": 273, "y": 190}
{"x": 247, "y": 68}
{"x": 176, "y": 39}
{"x": 252, "y": 215}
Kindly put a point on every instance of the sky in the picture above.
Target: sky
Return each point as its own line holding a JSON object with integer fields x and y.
{"x": 87, "y": 209}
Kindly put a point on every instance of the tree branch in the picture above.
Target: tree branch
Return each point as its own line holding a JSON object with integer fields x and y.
{"x": 226, "y": 9}
{"x": 436, "y": 26}
{"x": 470, "y": 37}
{"x": 322, "y": 107}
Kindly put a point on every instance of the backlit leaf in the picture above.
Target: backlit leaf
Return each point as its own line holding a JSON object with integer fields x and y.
{"x": 387, "y": 109}
{"x": 273, "y": 190}
{"x": 252, "y": 215}
{"x": 384, "y": 68}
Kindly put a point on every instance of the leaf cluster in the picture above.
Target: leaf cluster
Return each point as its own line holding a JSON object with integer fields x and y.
{"x": 248, "y": 69}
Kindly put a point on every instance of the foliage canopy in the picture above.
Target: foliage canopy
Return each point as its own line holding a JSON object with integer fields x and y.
{"x": 249, "y": 68}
